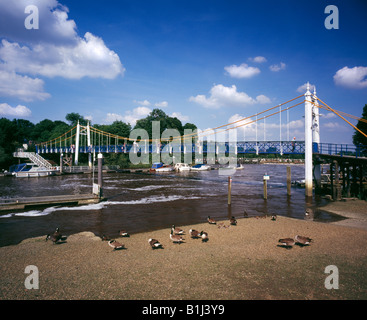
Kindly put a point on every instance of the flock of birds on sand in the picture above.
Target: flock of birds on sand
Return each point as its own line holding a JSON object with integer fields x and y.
{"x": 177, "y": 233}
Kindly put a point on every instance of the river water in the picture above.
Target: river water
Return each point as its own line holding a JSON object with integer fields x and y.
{"x": 139, "y": 202}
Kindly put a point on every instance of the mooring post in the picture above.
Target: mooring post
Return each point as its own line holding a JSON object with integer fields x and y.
{"x": 61, "y": 162}
{"x": 229, "y": 190}
{"x": 100, "y": 174}
{"x": 77, "y": 144}
{"x": 288, "y": 181}
{"x": 265, "y": 182}
{"x": 308, "y": 142}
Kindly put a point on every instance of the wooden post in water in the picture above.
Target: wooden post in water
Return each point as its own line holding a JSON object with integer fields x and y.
{"x": 229, "y": 190}
{"x": 100, "y": 174}
{"x": 61, "y": 162}
{"x": 265, "y": 180}
{"x": 288, "y": 181}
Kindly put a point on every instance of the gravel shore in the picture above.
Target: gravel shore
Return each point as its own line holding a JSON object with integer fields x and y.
{"x": 238, "y": 262}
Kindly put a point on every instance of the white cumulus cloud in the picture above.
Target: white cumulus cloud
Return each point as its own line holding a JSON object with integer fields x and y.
{"x": 303, "y": 88}
{"x": 222, "y": 96}
{"x": 277, "y": 67}
{"x": 180, "y": 116}
{"x": 162, "y": 104}
{"x": 258, "y": 59}
{"x": 354, "y": 78}
{"x": 130, "y": 116}
{"x": 22, "y": 87}
{"x": 17, "y": 112}
{"x": 242, "y": 71}
{"x": 55, "y": 50}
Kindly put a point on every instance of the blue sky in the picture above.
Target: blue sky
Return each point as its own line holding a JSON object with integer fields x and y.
{"x": 206, "y": 62}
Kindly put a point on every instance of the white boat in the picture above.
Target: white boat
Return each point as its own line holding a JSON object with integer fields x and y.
{"x": 28, "y": 170}
{"x": 165, "y": 168}
{"x": 200, "y": 167}
{"x": 182, "y": 167}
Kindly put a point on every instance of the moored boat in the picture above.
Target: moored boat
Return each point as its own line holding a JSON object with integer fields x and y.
{"x": 27, "y": 170}
{"x": 155, "y": 166}
{"x": 165, "y": 168}
{"x": 182, "y": 167}
{"x": 200, "y": 167}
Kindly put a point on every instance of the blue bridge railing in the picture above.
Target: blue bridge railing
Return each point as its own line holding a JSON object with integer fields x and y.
{"x": 243, "y": 147}
{"x": 340, "y": 149}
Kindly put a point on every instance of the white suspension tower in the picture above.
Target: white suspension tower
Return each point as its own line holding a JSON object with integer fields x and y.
{"x": 308, "y": 142}
{"x": 316, "y": 134}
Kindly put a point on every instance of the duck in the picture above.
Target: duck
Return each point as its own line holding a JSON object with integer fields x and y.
{"x": 204, "y": 236}
{"x": 308, "y": 212}
{"x": 233, "y": 221}
{"x": 303, "y": 241}
{"x": 56, "y": 236}
{"x": 194, "y": 234}
{"x": 175, "y": 237}
{"x": 155, "y": 244}
{"x": 274, "y": 217}
{"x": 287, "y": 242}
{"x": 245, "y": 214}
{"x": 177, "y": 230}
{"x": 115, "y": 245}
{"x": 211, "y": 221}
{"x": 123, "y": 233}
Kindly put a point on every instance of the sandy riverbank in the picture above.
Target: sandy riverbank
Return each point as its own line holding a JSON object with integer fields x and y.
{"x": 238, "y": 262}
{"x": 353, "y": 209}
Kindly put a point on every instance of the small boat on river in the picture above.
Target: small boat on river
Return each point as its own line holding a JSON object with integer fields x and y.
{"x": 182, "y": 167}
{"x": 200, "y": 167}
{"x": 28, "y": 170}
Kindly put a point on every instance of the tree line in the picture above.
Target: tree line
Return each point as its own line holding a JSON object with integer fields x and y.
{"x": 17, "y": 132}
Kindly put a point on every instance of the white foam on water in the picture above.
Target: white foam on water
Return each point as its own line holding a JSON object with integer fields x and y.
{"x": 99, "y": 206}
{"x": 148, "y": 188}
{"x": 6, "y": 215}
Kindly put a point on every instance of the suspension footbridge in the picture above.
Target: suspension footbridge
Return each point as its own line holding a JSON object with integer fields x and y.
{"x": 90, "y": 140}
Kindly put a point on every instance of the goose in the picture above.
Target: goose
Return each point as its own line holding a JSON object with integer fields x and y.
{"x": 233, "y": 221}
{"x": 123, "y": 233}
{"x": 204, "y": 236}
{"x": 56, "y": 236}
{"x": 177, "y": 230}
{"x": 287, "y": 242}
{"x": 155, "y": 244}
{"x": 175, "y": 237}
{"x": 194, "y": 234}
{"x": 211, "y": 221}
{"x": 303, "y": 241}
{"x": 115, "y": 245}
{"x": 309, "y": 212}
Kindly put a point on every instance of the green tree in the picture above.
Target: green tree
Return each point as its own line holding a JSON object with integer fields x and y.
{"x": 358, "y": 138}
{"x": 74, "y": 117}
{"x": 166, "y": 122}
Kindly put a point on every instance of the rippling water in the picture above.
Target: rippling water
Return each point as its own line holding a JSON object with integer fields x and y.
{"x": 144, "y": 202}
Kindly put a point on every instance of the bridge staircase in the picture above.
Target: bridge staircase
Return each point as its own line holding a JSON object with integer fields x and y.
{"x": 34, "y": 158}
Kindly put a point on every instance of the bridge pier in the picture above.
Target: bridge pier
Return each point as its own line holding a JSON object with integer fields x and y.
{"x": 348, "y": 176}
